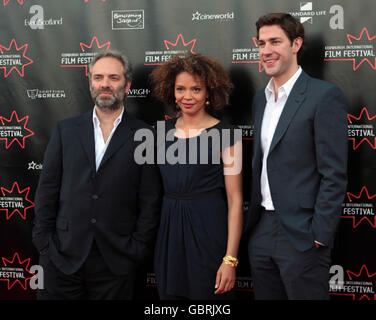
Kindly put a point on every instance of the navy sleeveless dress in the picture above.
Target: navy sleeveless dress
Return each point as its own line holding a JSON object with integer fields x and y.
{"x": 192, "y": 236}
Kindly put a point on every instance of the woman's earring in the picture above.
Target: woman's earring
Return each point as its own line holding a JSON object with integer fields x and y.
{"x": 207, "y": 103}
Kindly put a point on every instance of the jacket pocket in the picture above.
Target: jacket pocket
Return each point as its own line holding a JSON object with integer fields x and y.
{"x": 307, "y": 200}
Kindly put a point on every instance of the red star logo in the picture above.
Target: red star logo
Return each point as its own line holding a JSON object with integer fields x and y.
{"x": 84, "y": 47}
{"x": 181, "y": 38}
{"x": 351, "y": 118}
{"x": 14, "y": 50}
{"x": 358, "y": 61}
{"x": 5, "y": 2}
{"x": 260, "y": 66}
{"x": 355, "y": 64}
{"x": 16, "y": 264}
{"x": 365, "y": 197}
{"x": 365, "y": 276}
{"x": 15, "y": 192}
{"x": 15, "y": 121}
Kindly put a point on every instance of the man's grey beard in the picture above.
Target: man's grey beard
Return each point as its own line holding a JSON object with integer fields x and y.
{"x": 111, "y": 103}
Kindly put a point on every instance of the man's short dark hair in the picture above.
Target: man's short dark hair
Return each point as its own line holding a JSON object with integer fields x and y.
{"x": 291, "y": 26}
{"x": 118, "y": 56}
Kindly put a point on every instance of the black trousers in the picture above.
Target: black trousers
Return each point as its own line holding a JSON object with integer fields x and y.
{"x": 93, "y": 281}
{"x": 279, "y": 271}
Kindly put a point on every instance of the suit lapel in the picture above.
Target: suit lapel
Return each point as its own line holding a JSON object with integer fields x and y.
{"x": 86, "y": 135}
{"x": 293, "y": 103}
{"x": 123, "y": 132}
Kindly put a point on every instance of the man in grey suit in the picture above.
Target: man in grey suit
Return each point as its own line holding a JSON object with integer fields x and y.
{"x": 299, "y": 169}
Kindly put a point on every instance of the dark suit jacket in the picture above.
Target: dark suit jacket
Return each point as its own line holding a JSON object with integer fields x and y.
{"x": 119, "y": 205}
{"x": 307, "y": 162}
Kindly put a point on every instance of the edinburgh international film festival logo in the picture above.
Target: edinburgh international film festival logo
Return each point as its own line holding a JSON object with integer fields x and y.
{"x": 13, "y": 57}
{"x": 360, "y": 208}
{"x": 14, "y": 131}
{"x": 248, "y": 55}
{"x": 14, "y": 201}
{"x": 16, "y": 273}
{"x": 357, "y": 284}
{"x": 358, "y": 49}
{"x": 81, "y": 58}
{"x": 361, "y": 129}
{"x": 179, "y": 46}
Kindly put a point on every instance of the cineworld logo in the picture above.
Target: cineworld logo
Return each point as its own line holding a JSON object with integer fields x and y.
{"x": 360, "y": 208}
{"x": 14, "y": 201}
{"x": 358, "y": 50}
{"x": 361, "y": 129}
{"x": 14, "y": 130}
{"x": 197, "y": 16}
{"x": 16, "y": 273}
{"x": 128, "y": 19}
{"x": 34, "y": 166}
{"x": 13, "y": 58}
{"x": 180, "y": 46}
{"x": 357, "y": 285}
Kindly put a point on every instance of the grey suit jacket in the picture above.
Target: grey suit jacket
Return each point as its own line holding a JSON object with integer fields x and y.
{"x": 307, "y": 162}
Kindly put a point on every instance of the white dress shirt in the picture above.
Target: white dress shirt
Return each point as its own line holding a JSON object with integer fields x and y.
{"x": 100, "y": 145}
{"x": 272, "y": 113}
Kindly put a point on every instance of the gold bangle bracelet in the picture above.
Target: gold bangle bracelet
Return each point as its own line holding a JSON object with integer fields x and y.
{"x": 231, "y": 261}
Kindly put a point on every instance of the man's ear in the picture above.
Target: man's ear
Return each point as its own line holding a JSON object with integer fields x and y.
{"x": 297, "y": 44}
{"x": 127, "y": 87}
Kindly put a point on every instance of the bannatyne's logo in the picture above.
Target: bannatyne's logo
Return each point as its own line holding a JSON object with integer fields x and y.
{"x": 360, "y": 208}
{"x": 14, "y": 271}
{"x": 357, "y": 286}
{"x": 361, "y": 129}
{"x": 14, "y": 130}
{"x": 180, "y": 46}
{"x": 248, "y": 55}
{"x": 83, "y": 58}
{"x": 15, "y": 201}
{"x": 359, "y": 51}
{"x": 13, "y": 58}
{"x": 5, "y": 2}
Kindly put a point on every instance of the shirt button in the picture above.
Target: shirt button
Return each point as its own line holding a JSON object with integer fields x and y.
{"x": 93, "y": 220}
{"x": 94, "y": 197}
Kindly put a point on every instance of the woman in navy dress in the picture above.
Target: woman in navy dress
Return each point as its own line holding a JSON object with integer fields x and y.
{"x": 200, "y": 162}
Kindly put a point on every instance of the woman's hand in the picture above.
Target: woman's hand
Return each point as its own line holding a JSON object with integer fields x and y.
{"x": 225, "y": 278}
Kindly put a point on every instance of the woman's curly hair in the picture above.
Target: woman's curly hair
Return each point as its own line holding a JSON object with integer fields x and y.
{"x": 217, "y": 81}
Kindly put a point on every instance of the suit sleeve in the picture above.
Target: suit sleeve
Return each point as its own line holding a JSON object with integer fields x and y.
{"x": 330, "y": 129}
{"x": 47, "y": 194}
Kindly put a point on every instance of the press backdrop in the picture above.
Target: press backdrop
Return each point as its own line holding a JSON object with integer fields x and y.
{"x": 46, "y": 44}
